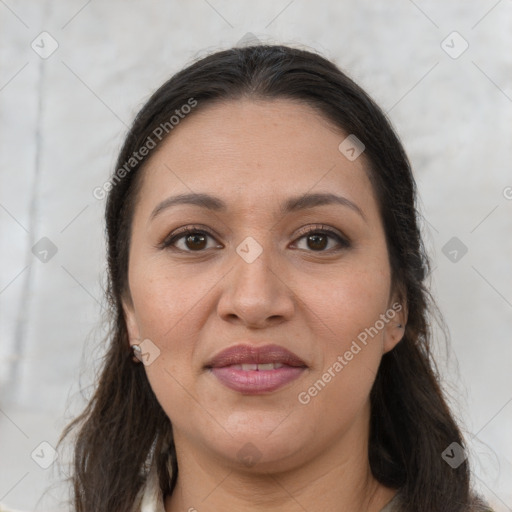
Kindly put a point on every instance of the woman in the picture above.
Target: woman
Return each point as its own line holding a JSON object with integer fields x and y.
{"x": 271, "y": 341}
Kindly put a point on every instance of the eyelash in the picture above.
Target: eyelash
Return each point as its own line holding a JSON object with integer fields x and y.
{"x": 197, "y": 230}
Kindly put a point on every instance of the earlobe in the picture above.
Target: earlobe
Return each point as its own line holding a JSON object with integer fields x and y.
{"x": 393, "y": 336}
{"x": 132, "y": 329}
{"x": 132, "y": 326}
{"x": 395, "y": 330}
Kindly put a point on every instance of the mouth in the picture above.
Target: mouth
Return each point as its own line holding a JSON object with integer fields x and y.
{"x": 254, "y": 366}
{"x": 255, "y": 370}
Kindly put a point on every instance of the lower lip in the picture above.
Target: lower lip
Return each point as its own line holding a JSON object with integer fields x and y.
{"x": 253, "y": 382}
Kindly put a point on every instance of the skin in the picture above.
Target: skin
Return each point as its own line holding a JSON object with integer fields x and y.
{"x": 312, "y": 299}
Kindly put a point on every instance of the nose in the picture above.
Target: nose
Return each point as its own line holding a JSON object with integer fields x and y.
{"x": 256, "y": 293}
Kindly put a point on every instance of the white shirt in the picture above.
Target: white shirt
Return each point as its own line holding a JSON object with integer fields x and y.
{"x": 150, "y": 497}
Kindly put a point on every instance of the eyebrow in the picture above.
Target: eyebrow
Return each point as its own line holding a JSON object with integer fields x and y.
{"x": 292, "y": 204}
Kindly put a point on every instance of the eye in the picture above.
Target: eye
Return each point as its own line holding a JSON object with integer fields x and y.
{"x": 195, "y": 239}
{"x": 317, "y": 238}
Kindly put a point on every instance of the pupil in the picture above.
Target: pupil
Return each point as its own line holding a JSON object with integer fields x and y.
{"x": 194, "y": 241}
{"x": 315, "y": 239}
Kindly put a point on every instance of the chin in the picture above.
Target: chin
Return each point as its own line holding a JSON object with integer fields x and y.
{"x": 260, "y": 453}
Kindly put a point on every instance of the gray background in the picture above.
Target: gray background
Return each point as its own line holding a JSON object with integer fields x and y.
{"x": 63, "y": 119}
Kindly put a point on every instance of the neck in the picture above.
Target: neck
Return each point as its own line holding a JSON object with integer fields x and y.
{"x": 337, "y": 479}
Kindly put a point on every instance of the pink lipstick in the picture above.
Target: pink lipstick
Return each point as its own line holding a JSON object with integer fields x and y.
{"x": 255, "y": 370}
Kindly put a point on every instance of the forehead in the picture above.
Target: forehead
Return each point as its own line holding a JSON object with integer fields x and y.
{"x": 252, "y": 152}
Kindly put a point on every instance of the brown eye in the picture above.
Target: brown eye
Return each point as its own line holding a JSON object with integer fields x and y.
{"x": 196, "y": 241}
{"x": 192, "y": 240}
{"x": 317, "y": 240}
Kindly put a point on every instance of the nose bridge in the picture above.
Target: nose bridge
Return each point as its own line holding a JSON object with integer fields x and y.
{"x": 256, "y": 290}
{"x": 254, "y": 262}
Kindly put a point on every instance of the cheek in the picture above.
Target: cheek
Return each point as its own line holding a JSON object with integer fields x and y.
{"x": 164, "y": 300}
{"x": 163, "y": 312}
{"x": 351, "y": 301}
{"x": 168, "y": 314}
{"x": 350, "y": 331}
{"x": 171, "y": 311}
{"x": 350, "y": 345}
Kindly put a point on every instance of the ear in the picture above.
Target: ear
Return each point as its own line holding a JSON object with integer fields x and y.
{"x": 130, "y": 318}
{"x": 397, "y": 313}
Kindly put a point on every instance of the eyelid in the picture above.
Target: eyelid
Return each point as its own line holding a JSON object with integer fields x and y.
{"x": 320, "y": 227}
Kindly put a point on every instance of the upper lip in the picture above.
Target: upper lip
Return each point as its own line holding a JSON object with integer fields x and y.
{"x": 243, "y": 354}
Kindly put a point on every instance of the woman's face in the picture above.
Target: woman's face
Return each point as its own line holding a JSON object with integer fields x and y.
{"x": 249, "y": 274}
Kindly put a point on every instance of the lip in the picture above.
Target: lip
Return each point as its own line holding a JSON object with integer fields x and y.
{"x": 224, "y": 366}
{"x": 245, "y": 354}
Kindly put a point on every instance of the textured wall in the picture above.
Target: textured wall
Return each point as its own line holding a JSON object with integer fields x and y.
{"x": 63, "y": 116}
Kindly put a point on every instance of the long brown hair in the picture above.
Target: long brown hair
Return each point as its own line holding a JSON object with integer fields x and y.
{"x": 123, "y": 428}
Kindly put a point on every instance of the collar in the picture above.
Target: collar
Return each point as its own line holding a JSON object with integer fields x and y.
{"x": 150, "y": 497}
